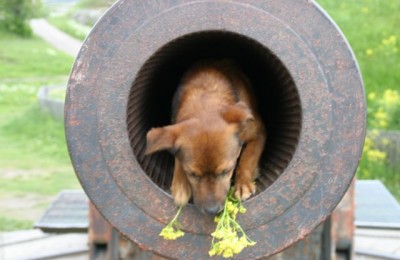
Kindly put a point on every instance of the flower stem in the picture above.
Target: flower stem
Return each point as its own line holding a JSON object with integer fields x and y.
{"x": 177, "y": 215}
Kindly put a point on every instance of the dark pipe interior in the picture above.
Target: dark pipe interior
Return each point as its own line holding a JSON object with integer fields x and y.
{"x": 278, "y": 100}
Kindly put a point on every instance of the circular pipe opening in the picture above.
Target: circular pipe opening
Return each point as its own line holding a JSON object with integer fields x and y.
{"x": 151, "y": 95}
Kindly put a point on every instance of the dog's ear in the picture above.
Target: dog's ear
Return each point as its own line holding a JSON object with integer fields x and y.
{"x": 163, "y": 138}
{"x": 238, "y": 113}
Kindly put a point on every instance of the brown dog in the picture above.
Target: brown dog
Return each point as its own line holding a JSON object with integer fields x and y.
{"x": 214, "y": 116}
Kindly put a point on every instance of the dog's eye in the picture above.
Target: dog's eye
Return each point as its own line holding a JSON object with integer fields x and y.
{"x": 223, "y": 173}
{"x": 194, "y": 175}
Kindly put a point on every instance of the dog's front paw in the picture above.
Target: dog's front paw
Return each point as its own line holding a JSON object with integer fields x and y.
{"x": 181, "y": 194}
{"x": 244, "y": 189}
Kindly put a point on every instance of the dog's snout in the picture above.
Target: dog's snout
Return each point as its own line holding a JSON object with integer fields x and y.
{"x": 213, "y": 210}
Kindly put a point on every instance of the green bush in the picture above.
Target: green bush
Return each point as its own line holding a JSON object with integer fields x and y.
{"x": 383, "y": 114}
{"x": 15, "y": 15}
{"x": 384, "y": 110}
{"x": 95, "y": 3}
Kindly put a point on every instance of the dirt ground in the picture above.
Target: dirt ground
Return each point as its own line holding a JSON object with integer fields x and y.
{"x": 24, "y": 207}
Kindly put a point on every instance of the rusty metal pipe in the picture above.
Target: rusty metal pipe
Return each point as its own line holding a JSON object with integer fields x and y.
{"x": 310, "y": 95}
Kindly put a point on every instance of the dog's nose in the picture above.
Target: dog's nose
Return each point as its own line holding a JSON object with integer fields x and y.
{"x": 212, "y": 210}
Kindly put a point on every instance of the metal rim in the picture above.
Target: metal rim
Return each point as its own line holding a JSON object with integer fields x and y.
{"x": 307, "y": 191}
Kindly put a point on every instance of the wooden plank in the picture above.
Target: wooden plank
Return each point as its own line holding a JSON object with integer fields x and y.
{"x": 46, "y": 247}
{"x": 375, "y": 206}
{"x": 68, "y": 213}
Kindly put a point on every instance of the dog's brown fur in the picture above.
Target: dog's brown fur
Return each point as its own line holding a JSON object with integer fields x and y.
{"x": 215, "y": 113}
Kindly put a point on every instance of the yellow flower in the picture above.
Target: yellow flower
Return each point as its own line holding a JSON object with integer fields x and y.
{"x": 374, "y": 133}
{"x": 372, "y": 96}
{"x": 391, "y": 97}
{"x": 385, "y": 141}
{"x": 229, "y": 238}
{"x": 232, "y": 209}
{"x": 365, "y": 10}
{"x": 171, "y": 231}
{"x": 218, "y": 234}
{"x": 381, "y": 114}
{"x": 227, "y": 253}
{"x": 367, "y": 144}
{"x": 381, "y": 118}
{"x": 391, "y": 41}
{"x": 376, "y": 155}
{"x": 383, "y": 124}
{"x": 369, "y": 52}
{"x": 242, "y": 209}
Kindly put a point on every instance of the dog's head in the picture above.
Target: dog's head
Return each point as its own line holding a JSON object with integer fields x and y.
{"x": 207, "y": 149}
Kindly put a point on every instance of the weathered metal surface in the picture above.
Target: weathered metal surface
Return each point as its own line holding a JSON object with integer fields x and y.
{"x": 309, "y": 91}
{"x": 309, "y": 248}
{"x": 100, "y": 231}
{"x": 103, "y": 238}
{"x": 343, "y": 227}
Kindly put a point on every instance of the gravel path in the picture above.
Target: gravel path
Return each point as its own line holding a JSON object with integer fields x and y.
{"x": 55, "y": 37}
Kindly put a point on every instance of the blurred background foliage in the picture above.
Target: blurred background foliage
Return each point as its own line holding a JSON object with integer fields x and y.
{"x": 15, "y": 15}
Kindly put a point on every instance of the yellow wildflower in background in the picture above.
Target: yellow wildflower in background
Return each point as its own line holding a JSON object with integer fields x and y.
{"x": 391, "y": 97}
{"x": 390, "y": 41}
{"x": 372, "y": 96}
{"x": 389, "y": 45}
{"x": 384, "y": 110}
{"x": 372, "y": 154}
{"x": 385, "y": 141}
{"x": 376, "y": 155}
{"x": 368, "y": 144}
{"x": 369, "y": 52}
{"x": 381, "y": 117}
{"x": 365, "y": 10}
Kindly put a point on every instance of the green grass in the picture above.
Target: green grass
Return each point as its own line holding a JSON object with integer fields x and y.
{"x": 34, "y": 160}
{"x": 33, "y": 138}
{"x": 70, "y": 26}
{"x": 57, "y": 94}
{"x": 33, "y": 153}
{"x": 30, "y": 57}
{"x": 10, "y": 224}
{"x": 95, "y": 3}
{"x": 368, "y": 26}
{"x": 391, "y": 178}
{"x": 49, "y": 183}
{"x": 29, "y": 137}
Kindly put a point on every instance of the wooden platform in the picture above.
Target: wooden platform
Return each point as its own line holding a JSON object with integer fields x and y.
{"x": 67, "y": 214}
{"x": 35, "y": 245}
{"x": 375, "y": 206}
